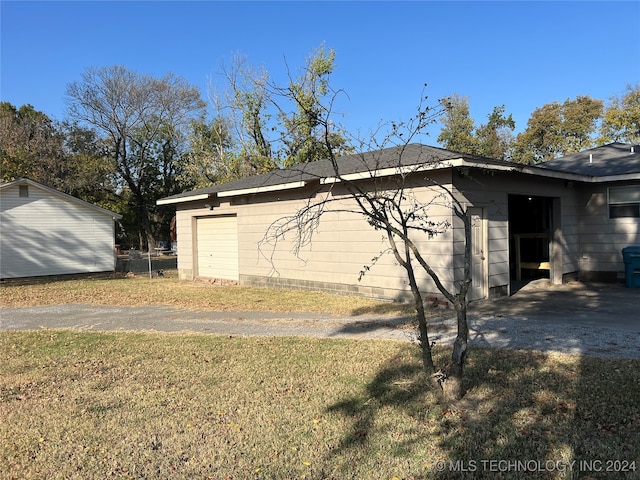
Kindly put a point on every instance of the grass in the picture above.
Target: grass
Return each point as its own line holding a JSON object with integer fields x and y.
{"x": 118, "y": 290}
{"x": 129, "y": 405}
{"x": 151, "y": 405}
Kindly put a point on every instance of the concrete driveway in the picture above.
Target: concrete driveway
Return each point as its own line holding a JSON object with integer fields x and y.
{"x": 595, "y": 319}
{"x": 600, "y": 320}
{"x": 574, "y": 304}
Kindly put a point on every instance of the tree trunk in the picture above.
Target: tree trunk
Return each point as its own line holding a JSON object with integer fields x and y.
{"x": 453, "y": 387}
{"x": 433, "y": 377}
{"x": 425, "y": 345}
{"x": 144, "y": 225}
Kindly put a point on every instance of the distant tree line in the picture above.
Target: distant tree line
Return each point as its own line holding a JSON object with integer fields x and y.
{"x": 553, "y": 130}
{"x": 131, "y": 139}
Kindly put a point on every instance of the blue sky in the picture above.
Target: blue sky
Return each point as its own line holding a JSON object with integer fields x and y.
{"x": 520, "y": 54}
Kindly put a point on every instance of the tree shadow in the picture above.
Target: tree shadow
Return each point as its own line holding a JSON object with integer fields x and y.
{"x": 526, "y": 414}
{"x": 398, "y": 385}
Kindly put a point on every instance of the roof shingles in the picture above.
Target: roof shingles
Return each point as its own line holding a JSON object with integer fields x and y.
{"x": 614, "y": 159}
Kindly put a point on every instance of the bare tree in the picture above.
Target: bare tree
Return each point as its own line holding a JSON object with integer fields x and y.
{"x": 381, "y": 189}
{"x": 142, "y": 121}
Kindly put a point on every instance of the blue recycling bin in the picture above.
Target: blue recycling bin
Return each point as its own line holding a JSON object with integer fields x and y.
{"x": 631, "y": 257}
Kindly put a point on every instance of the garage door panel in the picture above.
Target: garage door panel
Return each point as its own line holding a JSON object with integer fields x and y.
{"x": 217, "y": 245}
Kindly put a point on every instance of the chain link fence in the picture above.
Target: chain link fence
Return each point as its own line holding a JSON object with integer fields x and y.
{"x": 141, "y": 263}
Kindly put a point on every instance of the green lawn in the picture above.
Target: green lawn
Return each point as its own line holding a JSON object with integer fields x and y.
{"x": 133, "y": 405}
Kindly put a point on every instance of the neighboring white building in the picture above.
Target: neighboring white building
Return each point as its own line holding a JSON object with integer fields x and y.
{"x": 47, "y": 232}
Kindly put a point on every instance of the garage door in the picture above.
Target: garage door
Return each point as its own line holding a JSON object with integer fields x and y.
{"x": 217, "y": 246}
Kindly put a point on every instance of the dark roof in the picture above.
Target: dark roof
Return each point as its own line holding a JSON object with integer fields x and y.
{"x": 412, "y": 154}
{"x": 609, "y": 160}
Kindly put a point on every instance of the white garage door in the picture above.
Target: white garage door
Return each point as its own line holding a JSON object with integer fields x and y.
{"x": 217, "y": 245}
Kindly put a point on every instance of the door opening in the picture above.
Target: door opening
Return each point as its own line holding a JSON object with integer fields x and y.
{"x": 530, "y": 227}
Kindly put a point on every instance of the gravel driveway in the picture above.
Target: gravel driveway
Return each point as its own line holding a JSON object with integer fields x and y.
{"x": 599, "y": 321}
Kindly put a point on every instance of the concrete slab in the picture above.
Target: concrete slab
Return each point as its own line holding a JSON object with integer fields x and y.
{"x": 571, "y": 304}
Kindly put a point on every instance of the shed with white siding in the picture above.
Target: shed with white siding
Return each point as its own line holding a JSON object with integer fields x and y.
{"x": 46, "y": 232}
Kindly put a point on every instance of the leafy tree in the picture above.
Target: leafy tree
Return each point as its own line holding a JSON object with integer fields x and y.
{"x": 247, "y": 101}
{"x": 210, "y": 158}
{"x": 63, "y": 156}
{"x": 621, "y": 122}
{"x": 555, "y": 130}
{"x": 302, "y": 135}
{"x": 32, "y": 146}
{"x": 268, "y": 128}
{"x": 142, "y": 122}
{"x": 91, "y": 173}
{"x": 459, "y": 133}
{"x": 494, "y": 138}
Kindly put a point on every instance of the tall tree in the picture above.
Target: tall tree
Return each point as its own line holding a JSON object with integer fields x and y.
{"x": 245, "y": 106}
{"x": 457, "y": 131}
{"x": 63, "y": 155}
{"x": 302, "y": 134}
{"x": 32, "y": 146}
{"x": 493, "y": 139}
{"x": 212, "y": 157}
{"x": 621, "y": 122}
{"x": 142, "y": 120}
{"x": 269, "y": 128}
{"x": 555, "y": 129}
{"x": 90, "y": 173}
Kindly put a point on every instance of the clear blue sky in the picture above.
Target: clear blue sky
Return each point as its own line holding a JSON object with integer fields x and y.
{"x": 520, "y": 54}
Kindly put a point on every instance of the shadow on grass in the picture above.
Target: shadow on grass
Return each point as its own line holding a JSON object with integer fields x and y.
{"x": 390, "y": 308}
{"x": 525, "y": 415}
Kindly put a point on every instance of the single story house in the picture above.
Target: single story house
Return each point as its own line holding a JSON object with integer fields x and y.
{"x": 46, "y": 232}
{"x": 565, "y": 219}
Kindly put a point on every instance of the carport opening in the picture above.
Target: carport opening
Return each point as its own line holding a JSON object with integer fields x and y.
{"x": 529, "y": 233}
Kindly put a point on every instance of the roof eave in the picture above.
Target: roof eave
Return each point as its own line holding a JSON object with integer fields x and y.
{"x": 386, "y": 172}
{"x": 261, "y": 189}
{"x": 190, "y": 198}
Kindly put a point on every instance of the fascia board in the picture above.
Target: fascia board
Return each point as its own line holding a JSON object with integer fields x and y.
{"x": 387, "y": 172}
{"x": 192, "y": 198}
{"x": 578, "y": 177}
{"x": 616, "y": 178}
{"x": 261, "y": 189}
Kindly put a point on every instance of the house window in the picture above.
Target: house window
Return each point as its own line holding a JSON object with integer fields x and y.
{"x": 23, "y": 191}
{"x": 624, "y": 202}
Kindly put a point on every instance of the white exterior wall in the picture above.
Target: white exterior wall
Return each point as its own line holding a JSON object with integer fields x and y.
{"x": 342, "y": 245}
{"x": 602, "y": 238}
{"x": 47, "y": 234}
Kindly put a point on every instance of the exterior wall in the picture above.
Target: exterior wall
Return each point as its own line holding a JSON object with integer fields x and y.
{"x": 341, "y": 246}
{"x": 602, "y": 238}
{"x": 491, "y": 190}
{"x": 584, "y": 239}
{"x": 45, "y": 234}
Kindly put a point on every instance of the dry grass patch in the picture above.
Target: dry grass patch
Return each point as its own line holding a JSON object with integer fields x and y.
{"x": 98, "y": 405}
{"x": 118, "y": 290}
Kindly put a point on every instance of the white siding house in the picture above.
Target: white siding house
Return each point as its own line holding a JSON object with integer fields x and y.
{"x": 47, "y": 232}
